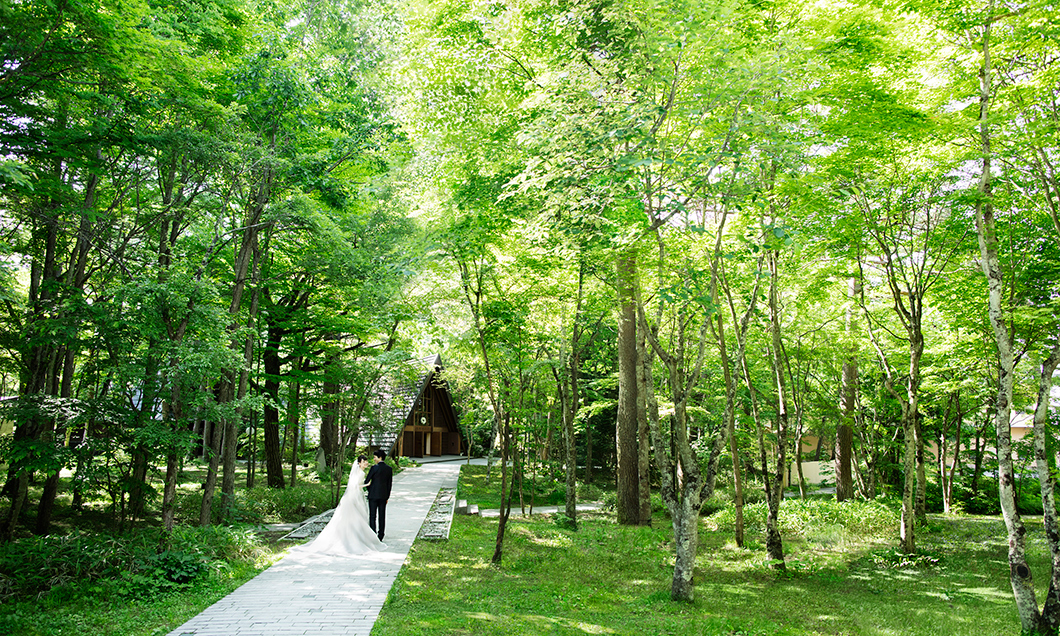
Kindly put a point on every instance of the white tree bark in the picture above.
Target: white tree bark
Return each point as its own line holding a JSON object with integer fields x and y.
{"x": 1019, "y": 573}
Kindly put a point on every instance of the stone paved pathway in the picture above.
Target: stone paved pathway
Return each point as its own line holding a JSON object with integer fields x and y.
{"x": 328, "y": 595}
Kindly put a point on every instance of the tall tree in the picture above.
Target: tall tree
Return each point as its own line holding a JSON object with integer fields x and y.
{"x": 628, "y": 425}
{"x": 915, "y": 237}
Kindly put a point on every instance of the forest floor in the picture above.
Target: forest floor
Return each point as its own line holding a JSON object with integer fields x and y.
{"x": 843, "y": 576}
{"x": 610, "y": 579}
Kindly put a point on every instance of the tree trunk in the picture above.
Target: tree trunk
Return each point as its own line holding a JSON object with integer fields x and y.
{"x": 729, "y": 420}
{"x": 51, "y": 485}
{"x": 227, "y": 390}
{"x": 329, "y": 415}
{"x": 234, "y": 423}
{"x": 40, "y": 359}
{"x": 169, "y": 492}
{"x": 741, "y": 326}
{"x": 1019, "y": 572}
{"x": 908, "y": 534}
{"x": 271, "y": 415}
{"x": 294, "y": 421}
{"x": 627, "y": 425}
{"x": 844, "y": 482}
{"x": 946, "y": 468}
{"x": 644, "y": 382}
{"x": 1050, "y": 619}
{"x": 681, "y": 480}
{"x": 775, "y": 490}
{"x": 506, "y": 489}
{"x": 213, "y": 457}
{"x": 138, "y": 483}
{"x": 921, "y": 472}
{"x": 588, "y": 452}
{"x": 686, "y": 545}
{"x": 571, "y": 403}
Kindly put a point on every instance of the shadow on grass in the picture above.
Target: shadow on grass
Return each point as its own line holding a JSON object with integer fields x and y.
{"x": 611, "y": 579}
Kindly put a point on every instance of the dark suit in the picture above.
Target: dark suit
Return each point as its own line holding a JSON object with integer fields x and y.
{"x": 379, "y": 479}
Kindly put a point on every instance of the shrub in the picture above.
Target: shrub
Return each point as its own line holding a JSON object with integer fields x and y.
{"x": 217, "y": 542}
{"x": 163, "y": 572}
{"x": 132, "y": 562}
{"x": 35, "y": 565}
{"x": 589, "y": 492}
{"x": 401, "y": 463}
{"x": 817, "y": 518}
{"x": 987, "y": 501}
{"x": 894, "y": 558}
{"x": 278, "y": 505}
{"x": 712, "y": 505}
{"x": 563, "y": 521}
{"x": 177, "y": 567}
{"x": 657, "y": 504}
{"x": 753, "y": 493}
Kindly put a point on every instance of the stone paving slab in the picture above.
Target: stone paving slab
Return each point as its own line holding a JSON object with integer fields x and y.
{"x": 329, "y": 595}
{"x": 440, "y": 519}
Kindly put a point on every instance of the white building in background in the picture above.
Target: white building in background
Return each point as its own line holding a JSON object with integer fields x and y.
{"x": 815, "y": 473}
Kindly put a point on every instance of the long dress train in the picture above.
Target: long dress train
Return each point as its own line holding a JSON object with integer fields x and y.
{"x": 348, "y": 531}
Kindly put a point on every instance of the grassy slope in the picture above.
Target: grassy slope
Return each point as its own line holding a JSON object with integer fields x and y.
{"x": 609, "y": 579}
{"x": 99, "y": 609}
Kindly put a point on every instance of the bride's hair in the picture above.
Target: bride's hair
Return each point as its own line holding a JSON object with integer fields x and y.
{"x": 361, "y": 458}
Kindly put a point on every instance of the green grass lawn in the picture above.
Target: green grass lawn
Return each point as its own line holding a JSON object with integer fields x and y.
{"x": 843, "y": 574}
{"x": 99, "y": 609}
{"x": 609, "y": 579}
{"x": 482, "y": 487}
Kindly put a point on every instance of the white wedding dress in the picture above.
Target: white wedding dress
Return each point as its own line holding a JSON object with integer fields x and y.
{"x": 348, "y": 531}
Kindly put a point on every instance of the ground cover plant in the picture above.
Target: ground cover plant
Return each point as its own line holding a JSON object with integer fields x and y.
{"x": 845, "y": 576}
{"x": 480, "y": 486}
{"x": 91, "y": 577}
{"x": 122, "y": 584}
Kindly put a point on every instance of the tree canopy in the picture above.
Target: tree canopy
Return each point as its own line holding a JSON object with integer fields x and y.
{"x": 693, "y": 244}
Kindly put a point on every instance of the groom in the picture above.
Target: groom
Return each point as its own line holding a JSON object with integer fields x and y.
{"x": 379, "y": 480}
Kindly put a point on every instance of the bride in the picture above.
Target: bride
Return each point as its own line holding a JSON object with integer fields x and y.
{"x": 348, "y": 531}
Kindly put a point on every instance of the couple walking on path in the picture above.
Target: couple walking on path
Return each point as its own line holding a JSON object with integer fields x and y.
{"x": 331, "y": 593}
{"x": 355, "y": 528}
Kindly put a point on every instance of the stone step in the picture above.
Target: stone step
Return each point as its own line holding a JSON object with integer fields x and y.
{"x": 472, "y": 509}
{"x": 461, "y": 507}
{"x": 440, "y": 518}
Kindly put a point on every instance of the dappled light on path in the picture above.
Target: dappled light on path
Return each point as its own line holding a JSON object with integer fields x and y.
{"x": 323, "y": 593}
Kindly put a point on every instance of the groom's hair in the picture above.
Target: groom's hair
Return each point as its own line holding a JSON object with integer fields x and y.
{"x": 361, "y": 458}
{"x": 381, "y": 454}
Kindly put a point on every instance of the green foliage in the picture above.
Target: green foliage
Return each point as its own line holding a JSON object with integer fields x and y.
{"x": 985, "y": 500}
{"x": 144, "y": 601}
{"x": 608, "y": 578}
{"x": 893, "y": 558}
{"x": 279, "y": 505}
{"x": 477, "y": 489}
{"x": 131, "y": 563}
{"x": 818, "y": 519}
{"x": 177, "y": 566}
{"x": 564, "y": 522}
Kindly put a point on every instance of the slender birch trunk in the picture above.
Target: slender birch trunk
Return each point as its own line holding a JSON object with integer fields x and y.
{"x": 775, "y": 487}
{"x": 1050, "y": 619}
{"x": 1019, "y": 573}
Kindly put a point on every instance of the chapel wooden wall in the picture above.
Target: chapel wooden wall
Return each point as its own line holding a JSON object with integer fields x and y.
{"x": 430, "y": 429}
